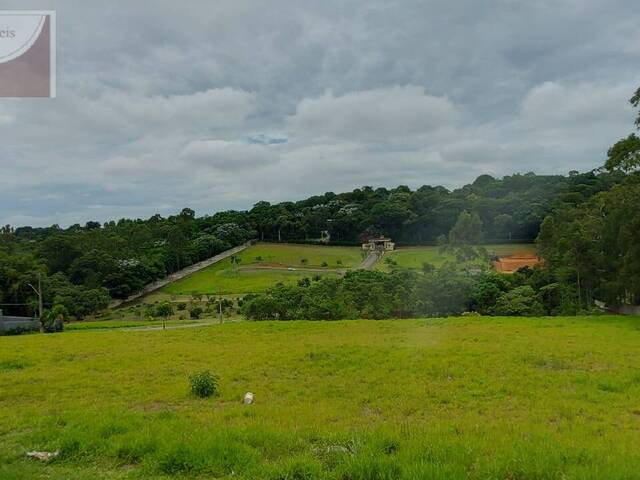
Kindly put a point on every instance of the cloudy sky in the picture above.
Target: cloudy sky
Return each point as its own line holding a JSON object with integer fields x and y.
{"x": 219, "y": 104}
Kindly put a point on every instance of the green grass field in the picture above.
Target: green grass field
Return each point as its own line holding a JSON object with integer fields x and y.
{"x": 290, "y": 255}
{"x": 414, "y": 257}
{"x": 221, "y": 278}
{"x": 457, "y": 398}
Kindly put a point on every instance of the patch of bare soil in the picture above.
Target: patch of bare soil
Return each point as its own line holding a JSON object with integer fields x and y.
{"x": 512, "y": 263}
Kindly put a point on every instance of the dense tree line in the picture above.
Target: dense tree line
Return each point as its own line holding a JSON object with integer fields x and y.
{"x": 451, "y": 289}
{"x": 83, "y": 267}
{"x": 510, "y": 208}
{"x": 592, "y": 246}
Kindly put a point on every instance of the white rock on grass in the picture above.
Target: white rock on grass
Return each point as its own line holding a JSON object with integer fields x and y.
{"x": 248, "y": 398}
{"x": 42, "y": 456}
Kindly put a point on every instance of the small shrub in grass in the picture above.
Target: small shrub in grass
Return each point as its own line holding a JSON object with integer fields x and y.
{"x": 182, "y": 306}
{"x": 366, "y": 467}
{"x": 12, "y": 364}
{"x": 296, "y": 468}
{"x": 195, "y": 312}
{"x": 164, "y": 310}
{"x": 204, "y": 384}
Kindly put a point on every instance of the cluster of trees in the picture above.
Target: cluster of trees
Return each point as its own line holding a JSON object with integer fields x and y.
{"x": 510, "y": 208}
{"x": 592, "y": 246}
{"x": 83, "y": 267}
{"x": 448, "y": 290}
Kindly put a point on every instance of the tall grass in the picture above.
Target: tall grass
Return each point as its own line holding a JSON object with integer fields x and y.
{"x": 498, "y": 398}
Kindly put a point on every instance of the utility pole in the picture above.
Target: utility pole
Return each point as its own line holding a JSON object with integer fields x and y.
{"x": 40, "y": 303}
{"x": 220, "y": 308}
{"x": 40, "y": 295}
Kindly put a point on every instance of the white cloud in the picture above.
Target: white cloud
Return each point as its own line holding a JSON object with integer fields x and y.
{"x": 557, "y": 105}
{"x": 380, "y": 115}
{"x": 225, "y": 155}
{"x": 219, "y": 107}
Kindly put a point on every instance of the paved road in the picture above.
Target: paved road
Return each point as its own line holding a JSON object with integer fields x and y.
{"x": 152, "y": 287}
{"x": 369, "y": 262}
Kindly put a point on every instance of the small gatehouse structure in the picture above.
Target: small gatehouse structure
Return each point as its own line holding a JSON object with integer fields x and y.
{"x": 380, "y": 244}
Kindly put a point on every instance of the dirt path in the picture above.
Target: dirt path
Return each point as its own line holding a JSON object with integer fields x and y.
{"x": 340, "y": 271}
{"x": 158, "y": 284}
{"x": 169, "y": 327}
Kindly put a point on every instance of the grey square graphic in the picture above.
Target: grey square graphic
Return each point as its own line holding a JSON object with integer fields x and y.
{"x": 27, "y": 53}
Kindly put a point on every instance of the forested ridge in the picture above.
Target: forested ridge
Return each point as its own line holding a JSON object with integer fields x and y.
{"x": 586, "y": 224}
{"x": 94, "y": 262}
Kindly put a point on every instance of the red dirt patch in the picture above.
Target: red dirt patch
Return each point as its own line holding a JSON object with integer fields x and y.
{"x": 512, "y": 263}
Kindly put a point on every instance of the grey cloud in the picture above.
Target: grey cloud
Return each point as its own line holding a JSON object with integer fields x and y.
{"x": 176, "y": 105}
{"x": 379, "y": 115}
{"x": 232, "y": 156}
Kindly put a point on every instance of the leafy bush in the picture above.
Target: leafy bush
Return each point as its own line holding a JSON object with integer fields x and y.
{"x": 521, "y": 301}
{"x": 164, "y": 309}
{"x": 195, "y": 312}
{"x": 52, "y": 320}
{"x": 182, "y": 306}
{"x": 204, "y": 384}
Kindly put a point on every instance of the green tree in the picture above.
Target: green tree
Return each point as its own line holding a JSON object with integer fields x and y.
{"x": 235, "y": 262}
{"x": 504, "y": 225}
{"x": 521, "y": 301}
{"x": 467, "y": 230}
{"x": 164, "y": 309}
{"x": 624, "y": 155}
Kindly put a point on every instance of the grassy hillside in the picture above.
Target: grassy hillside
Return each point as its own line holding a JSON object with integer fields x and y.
{"x": 291, "y": 255}
{"x": 414, "y": 257}
{"x": 264, "y": 265}
{"x": 502, "y": 398}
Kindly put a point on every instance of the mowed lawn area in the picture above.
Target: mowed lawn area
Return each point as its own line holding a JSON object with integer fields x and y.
{"x": 263, "y": 265}
{"x": 456, "y": 398}
{"x": 415, "y": 257}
